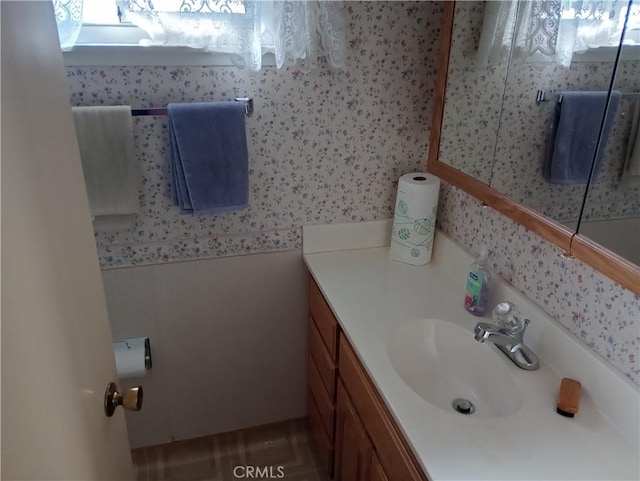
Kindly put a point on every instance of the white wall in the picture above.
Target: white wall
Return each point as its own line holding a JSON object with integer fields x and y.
{"x": 228, "y": 340}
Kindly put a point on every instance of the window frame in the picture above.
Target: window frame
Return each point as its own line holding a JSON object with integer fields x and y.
{"x": 118, "y": 44}
{"x": 110, "y": 45}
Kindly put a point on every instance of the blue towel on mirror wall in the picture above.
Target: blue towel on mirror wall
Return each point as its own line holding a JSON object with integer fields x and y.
{"x": 574, "y": 135}
{"x": 209, "y": 159}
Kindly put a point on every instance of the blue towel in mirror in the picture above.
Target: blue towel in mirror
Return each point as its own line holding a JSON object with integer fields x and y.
{"x": 209, "y": 159}
{"x": 574, "y": 135}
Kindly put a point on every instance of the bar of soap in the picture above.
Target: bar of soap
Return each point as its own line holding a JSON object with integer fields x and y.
{"x": 569, "y": 397}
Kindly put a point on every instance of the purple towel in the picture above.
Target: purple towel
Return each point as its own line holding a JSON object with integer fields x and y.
{"x": 574, "y": 136}
{"x": 209, "y": 160}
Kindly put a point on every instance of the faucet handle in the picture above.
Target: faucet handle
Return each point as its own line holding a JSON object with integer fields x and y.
{"x": 507, "y": 316}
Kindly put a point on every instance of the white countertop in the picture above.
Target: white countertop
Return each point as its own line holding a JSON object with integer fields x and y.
{"x": 372, "y": 295}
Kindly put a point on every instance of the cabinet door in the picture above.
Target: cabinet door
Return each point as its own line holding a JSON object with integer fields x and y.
{"x": 390, "y": 447}
{"x": 376, "y": 473}
{"x": 353, "y": 448}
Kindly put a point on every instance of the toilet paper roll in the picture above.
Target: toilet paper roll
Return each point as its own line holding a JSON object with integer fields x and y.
{"x": 131, "y": 357}
{"x": 414, "y": 220}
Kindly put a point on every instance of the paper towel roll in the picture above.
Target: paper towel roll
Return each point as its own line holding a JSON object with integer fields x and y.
{"x": 414, "y": 220}
{"x": 132, "y": 357}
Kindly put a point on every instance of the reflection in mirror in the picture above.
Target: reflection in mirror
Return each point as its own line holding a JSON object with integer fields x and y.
{"x": 611, "y": 215}
{"x": 452, "y": 148}
{"x": 473, "y": 98}
{"x": 493, "y": 128}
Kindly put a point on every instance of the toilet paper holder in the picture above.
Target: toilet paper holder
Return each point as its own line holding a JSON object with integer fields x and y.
{"x": 147, "y": 349}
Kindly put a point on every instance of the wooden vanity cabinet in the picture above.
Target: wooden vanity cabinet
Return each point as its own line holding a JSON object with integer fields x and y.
{"x": 376, "y": 473}
{"x": 353, "y": 448}
{"x": 355, "y": 458}
{"x": 353, "y": 432}
{"x": 322, "y": 376}
{"x": 394, "y": 460}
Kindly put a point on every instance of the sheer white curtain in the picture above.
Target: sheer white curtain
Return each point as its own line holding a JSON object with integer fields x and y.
{"x": 69, "y": 19}
{"x": 297, "y": 32}
{"x": 547, "y": 31}
{"x": 300, "y": 32}
{"x": 231, "y": 27}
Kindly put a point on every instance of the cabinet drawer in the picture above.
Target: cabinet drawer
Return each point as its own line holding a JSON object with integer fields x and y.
{"x": 394, "y": 457}
{"x": 323, "y": 447}
{"x": 324, "y": 363}
{"x": 324, "y": 318}
{"x": 323, "y": 401}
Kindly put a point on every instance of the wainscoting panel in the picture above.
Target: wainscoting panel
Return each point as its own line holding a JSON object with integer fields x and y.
{"x": 228, "y": 339}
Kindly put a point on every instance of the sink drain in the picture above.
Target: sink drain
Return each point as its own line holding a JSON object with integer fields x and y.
{"x": 463, "y": 406}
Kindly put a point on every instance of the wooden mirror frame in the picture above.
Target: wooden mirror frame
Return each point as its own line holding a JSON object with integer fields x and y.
{"x": 601, "y": 259}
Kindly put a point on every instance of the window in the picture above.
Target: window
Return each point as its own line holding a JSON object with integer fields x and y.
{"x": 191, "y": 6}
{"x": 297, "y": 32}
{"x": 599, "y": 42}
{"x": 100, "y": 12}
{"x": 102, "y": 22}
{"x": 105, "y": 39}
{"x": 600, "y": 24}
{"x": 545, "y": 31}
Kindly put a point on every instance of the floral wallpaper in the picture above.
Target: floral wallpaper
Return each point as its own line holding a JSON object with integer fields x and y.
{"x": 601, "y": 313}
{"x": 324, "y": 147}
{"x": 474, "y": 99}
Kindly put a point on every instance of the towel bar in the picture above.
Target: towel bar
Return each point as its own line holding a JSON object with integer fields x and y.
{"x": 248, "y": 108}
{"x": 541, "y": 96}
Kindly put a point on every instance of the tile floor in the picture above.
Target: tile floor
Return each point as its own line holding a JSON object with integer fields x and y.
{"x": 284, "y": 448}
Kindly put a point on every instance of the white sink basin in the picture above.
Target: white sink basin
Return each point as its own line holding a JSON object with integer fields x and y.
{"x": 441, "y": 362}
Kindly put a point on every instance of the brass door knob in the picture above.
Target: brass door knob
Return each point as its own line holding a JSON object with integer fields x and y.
{"x": 130, "y": 399}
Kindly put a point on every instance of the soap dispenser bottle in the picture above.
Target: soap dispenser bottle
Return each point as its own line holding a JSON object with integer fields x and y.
{"x": 476, "y": 297}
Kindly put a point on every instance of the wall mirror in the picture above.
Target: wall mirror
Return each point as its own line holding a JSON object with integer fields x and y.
{"x": 498, "y": 99}
{"x": 611, "y": 213}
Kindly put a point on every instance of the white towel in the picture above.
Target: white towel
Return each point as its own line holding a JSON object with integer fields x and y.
{"x": 111, "y": 173}
{"x": 631, "y": 170}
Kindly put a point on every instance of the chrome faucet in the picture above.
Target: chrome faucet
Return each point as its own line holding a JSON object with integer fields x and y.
{"x": 508, "y": 338}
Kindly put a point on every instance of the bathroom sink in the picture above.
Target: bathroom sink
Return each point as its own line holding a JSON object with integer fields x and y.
{"x": 442, "y": 362}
